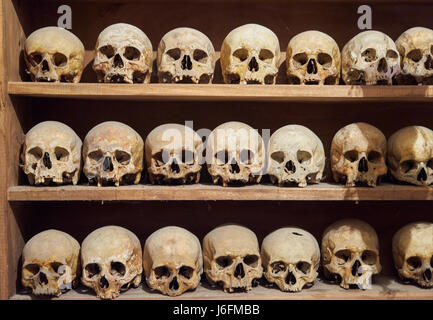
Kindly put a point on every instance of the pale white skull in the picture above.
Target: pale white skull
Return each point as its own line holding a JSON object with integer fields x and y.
{"x": 52, "y": 153}
{"x": 111, "y": 259}
{"x": 172, "y": 261}
{"x": 412, "y": 249}
{"x": 174, "y": 153}
{"x": 370, "y": 57}
{"x": 291, "y": 258}
{"x": 51, "y": 263}
{"x": 123, "y": 53}
{"x": 235, "y": 153}
{"x": 296, "y": 155}
{"x": 54, "y": 54}
{"x": 350, "y": 253}
{"x": 416, "y": 50}
{"x": 410, "y": 155}
{"x": 250, "y": 54}
{"x": 231, "y": 257}
{"x": 186, "y": 55}
{"x": 358, "y": 154}
{"x": 313, "y": 57}
{"x": 113, "y": 152}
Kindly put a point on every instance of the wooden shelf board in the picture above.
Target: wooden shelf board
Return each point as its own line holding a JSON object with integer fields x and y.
{"x": 280, "y": 92}
{"x": 322, "y": 191}
{"x": 383, "y": 288}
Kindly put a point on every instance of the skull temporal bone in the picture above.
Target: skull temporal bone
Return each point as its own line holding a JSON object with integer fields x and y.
{"x": 173, "y": 261}
{"x": 313, "y": 57}
{"x": 186, "y": 55}
{"x": 250, "y": 54}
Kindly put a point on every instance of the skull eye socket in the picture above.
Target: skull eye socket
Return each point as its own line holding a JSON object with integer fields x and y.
{"x": 55, "y": 266}
{"x": 222, "y": 157}
{"x": 300, "y": 59}
{"x": 431, "y": 262}
{"x": 351, "y": 155}
{"x": 117, "y": 269}
{"x": 266, "y": 55}
{"x": 278, "y": 267}
{"x": 92, "y": 269}
{"x": 96, "y": 155}
{"x": 304, "y": 157}
{"x": 35, "y": 152}
{"x": 374, "y": 157}
{"x": 278, "y": 156}
{"x": 132, "y": 53}
{"x": 414, "y": 263}
{"x": 187, "y": 157}
{"x": 61, "y": 154}
{"x": 241, "y": 54}
{"x": 324, "y": 59}
{"x": 161, "y": 158}
{"x": 31, "y": 270}
{"x": 251, "y": 260}
{"x": 162, "y": 272}
{"x": 246, "y": 156}
{"x": 369, "y": 257}
{"x": 60, "y": 60}
{"x": 391, "y": 54}
{"x": 303, "y": 266}
{"x": 369, "y": 55}
{"x": 122, "y": 157}
{"x": 407, "y": 165}
{"x": 35, "y": 58}
{"x": 430, "y": 164}
{"x": 415, "y": 55}
{"x": 186, "y": 272}
{"x": 174, "y": 53}
{"x": 224, "y": 262}
{"x": 107, "y": 51}
{"x": 343, "y": 256}
{"x": 200, "y": 56}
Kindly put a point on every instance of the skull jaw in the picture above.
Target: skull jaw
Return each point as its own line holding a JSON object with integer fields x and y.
{"x": 229, "y": 283}
{"x": 164, "y": 286}
{"x": 248, "y": 77}
{"x": 185, "y": 77}
{"x": 349, "y": 175}
{"x": 114, "y": 287}
{"x": 301, "y": 180}
{"x": 189, "y": 178}
{"x": 370, "y": 76}
{"x": 415, "y": 278}
{"x": 130, "y": 75}
{"x": 395, "y": 174}
{"x": 301, "y": 282}
{"x": 233, "y": 179}
{"x": 301, "y": 79}
{"x": 59, "y": 179}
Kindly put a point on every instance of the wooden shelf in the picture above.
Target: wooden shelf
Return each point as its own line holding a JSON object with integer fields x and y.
{"x": 322, "y": 191}
{"x": 221, "y": 92}
{"x": 383, "y": 288}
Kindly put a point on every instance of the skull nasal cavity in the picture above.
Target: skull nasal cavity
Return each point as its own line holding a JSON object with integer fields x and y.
{"x": 290, "y": 166}
{"x": 43, "y": 278}
{"x": 239, "y": 272}
{"x": 103, "y": 282}
{"x": 291, "y": 279}
{"x": 107, "y": 165}
{"x": 186, "y": 63}
{"x": 47, "y": 160}
{"x": 45, "y": 66}
{"x": 363, "y": 165}
{"x": 422, "y": 175}
{"x": 234, "y": 167}
{"x": 174, "y": 285}
{"x": 356, "y": 269}
{"x": 253, "y": 65}
{"x": 174, "y": 166}
{"x": 383, "y": 66}
{"x": 118, "y": 62}
{"x": 429, "y": 63}
{"x": 312, "y": 67}
{"x": 427, "y": 275}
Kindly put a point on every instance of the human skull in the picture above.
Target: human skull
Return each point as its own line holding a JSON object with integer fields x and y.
{"x": 416, "y": 50}
{"x": 412, "y": 249}
{"x": 250, "y": 54}
{"x": 51, "y": 263}
{"x": 52, "y": 153}
{"x": 174, "y": 153}
{"x": 358, "y": 153}
{"x": 111, "y": 259}
{"x": 173, "y": 261}
{"x": 291, "y": 258}
{"x": 370, "y": 57}
{"x": 235, "y": 153}
{"x": 123, "y": 54}
{"x": 410, "y": 155}
{"x": 231, "y": 257}
{"x": 54, "y": 54}
{"x": 113, "y": 152}
{"x": 186, "y": 55}
{"x": 296, "y": 155}
{"x": 350, "y": 252}
{"x": 313, "y": 57}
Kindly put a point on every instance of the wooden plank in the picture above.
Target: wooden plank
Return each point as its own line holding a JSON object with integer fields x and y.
{"x": 383, "y": 288}
{"x": 323, "y": 191}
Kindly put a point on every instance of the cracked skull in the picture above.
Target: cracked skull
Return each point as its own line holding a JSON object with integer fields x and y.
{"x": 113, "y": 152}
{"x": 291, "y": 258}
{"x": 123, "y": 54}
{"x": 410, "y": 155}
{"x": 232, "y": 258}
{"x": 358, "y": 153}
{"x": 412, "y": 249}
{"x": 54, "y": 54}
{"x": 235, "y": 153}
{"x": 250, "y": 54}
{"x": 174, "y": 154}
{"x": 51, "y": 263}
{"x": 313, "y": 57}
{"x": 416, "y": 50}
{"x": 52, "y": 153}
{"x": 172, "y": 261}
{"x": 370, "y": 57}
{"x": 350, "y": 253}
{"x": 296, "y": 155}
{"x": 111, "y": 259}
{"x": 186, "y": 55}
